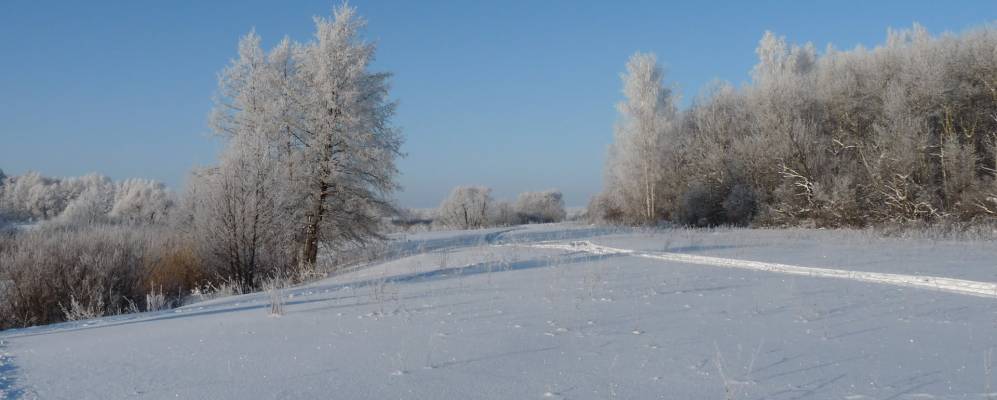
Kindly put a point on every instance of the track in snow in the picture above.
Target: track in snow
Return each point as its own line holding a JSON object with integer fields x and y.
{"x": 959, "y": 286}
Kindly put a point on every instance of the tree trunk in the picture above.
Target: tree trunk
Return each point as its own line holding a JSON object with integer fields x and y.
{"x": 316, "y": 213}
{"x": 309, "y": 248}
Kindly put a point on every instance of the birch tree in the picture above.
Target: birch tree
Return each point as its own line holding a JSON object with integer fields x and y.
{"x": 640, "y": 143}
{"x": 349, "y": 145}
{"x": 320, "y": 120}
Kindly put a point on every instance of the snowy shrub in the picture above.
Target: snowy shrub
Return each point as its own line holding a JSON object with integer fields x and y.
{"x": 174, "y": 266}
{"x": 603, "y": 208}
{"x": 141, "y": 201}
{"x": 56, "y": 272}
{"x": 540, "y": 207}
{"x": 79, "y": 310}
{"x": 467, "y": 207}
{"x": 240, "y": 223}
{"x": 740, "y": 205}
{"x": 504, "y": 214}
{"x": 412, "y": 220}
{"x": 92, "y": 205}
{"x": 213, "y": 290}
{"x": 702, "y": 205}
{"x": 155, "y": 300}
{"x": 274, "y": 286}
{"x": 32, "y": 196}
{"x": 472, "y": 207}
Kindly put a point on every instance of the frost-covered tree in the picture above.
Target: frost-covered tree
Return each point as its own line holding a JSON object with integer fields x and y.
{"x": 897, "y": 133}
{"x": 33, "y": 196}
{"x": 503, "y": 214}
{"x": 467, "y": 207}
{"x": 540, "y": 207}
{"x": 641, "y": 144}
{"x": 141, "y": 201}
{"x": 85, "y": 200}
{"x": 322, "y": 120}
{"x": 238, "y": 214}
{"x": 349, "y": 145}
{"x": 94, "y": 202}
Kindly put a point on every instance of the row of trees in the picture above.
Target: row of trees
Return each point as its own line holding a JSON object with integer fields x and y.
{"x": 903, "y": 132}
{"x": 471, "y": 207}
{"x": 88, "y": 199}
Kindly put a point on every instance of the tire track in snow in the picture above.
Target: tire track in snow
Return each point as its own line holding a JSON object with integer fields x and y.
{"x": 951, "y": 285}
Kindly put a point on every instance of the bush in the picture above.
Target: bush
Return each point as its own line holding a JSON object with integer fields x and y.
{"x": 467, "y": 207}
{"x": 740, "y": 205}
{"x": 57, "y": 272}
{"x": 702, "y": 205}
{"x": 540, "y": 207}
{"x": 602, "y": 208}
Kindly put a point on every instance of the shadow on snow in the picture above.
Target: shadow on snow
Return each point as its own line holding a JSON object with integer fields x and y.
{"x": 259, "y": 300}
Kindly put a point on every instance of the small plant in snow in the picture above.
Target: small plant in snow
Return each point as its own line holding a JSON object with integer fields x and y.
{"x": 155, "y": 300}
{"x": 274, "y": 286}
{"x": 380, "y": 293}
{"x": 444, "y": 259}
{"x": 78, "y": 311}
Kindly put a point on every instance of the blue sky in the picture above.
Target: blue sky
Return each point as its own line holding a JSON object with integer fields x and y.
{"x": 515, "y": 95}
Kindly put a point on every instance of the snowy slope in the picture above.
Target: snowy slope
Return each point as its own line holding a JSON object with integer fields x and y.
{"x": 542, "y": 312}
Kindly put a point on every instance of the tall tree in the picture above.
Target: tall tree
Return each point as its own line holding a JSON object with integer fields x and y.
{"x": 318, "y": 120}
{"x": 640, "y": 144}
{"x": 350, "y": 146}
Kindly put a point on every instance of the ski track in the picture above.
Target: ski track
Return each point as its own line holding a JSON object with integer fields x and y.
{"x": 951, "y": 285}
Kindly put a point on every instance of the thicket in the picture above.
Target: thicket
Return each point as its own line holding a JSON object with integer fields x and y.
{"x": 472, "y": 207}
{"x": 902, "y": 133}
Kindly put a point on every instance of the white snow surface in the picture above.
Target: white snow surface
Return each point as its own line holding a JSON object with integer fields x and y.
{"x": 985, "y": 289}
{"x": 562, "y": 311}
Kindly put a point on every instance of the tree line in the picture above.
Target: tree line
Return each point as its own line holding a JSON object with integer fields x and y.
{"x": 905, "y": 132}
{"x": 472, "y": 207}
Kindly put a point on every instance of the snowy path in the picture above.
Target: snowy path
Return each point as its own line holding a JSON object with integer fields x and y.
{"x": 959, "y": 286}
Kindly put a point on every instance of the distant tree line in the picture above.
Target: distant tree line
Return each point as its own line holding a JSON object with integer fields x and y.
{"x": 904, "y": 132}
{"x": 89, "y": 199}
{"x": 472, "y": 207}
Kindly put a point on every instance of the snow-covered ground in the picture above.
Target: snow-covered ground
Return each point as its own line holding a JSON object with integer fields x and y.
{"x": 563, "y": 311}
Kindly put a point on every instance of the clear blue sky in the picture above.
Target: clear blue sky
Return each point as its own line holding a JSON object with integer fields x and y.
{"x": 516, "y": 95}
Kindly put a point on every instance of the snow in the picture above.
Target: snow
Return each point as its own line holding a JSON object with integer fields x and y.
{"x": 561, "y": 311}
{"x": 985, "y": 289}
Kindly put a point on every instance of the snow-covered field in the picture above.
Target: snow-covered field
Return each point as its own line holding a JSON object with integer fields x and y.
{"x": 563, "y": 311}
